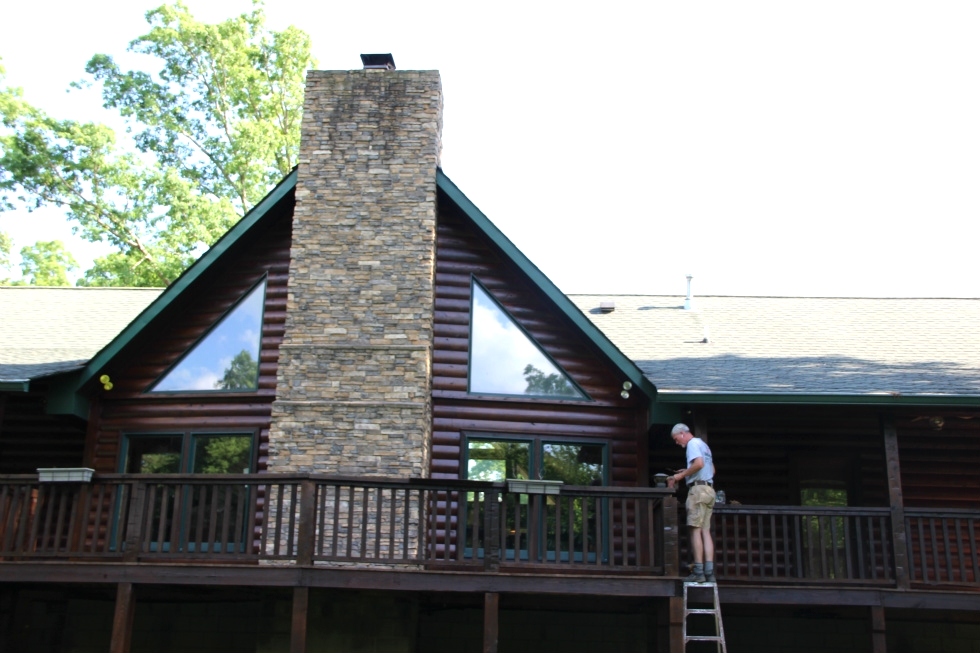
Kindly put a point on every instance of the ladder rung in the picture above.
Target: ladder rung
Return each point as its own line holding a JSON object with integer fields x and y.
{"x": 703, "y": 638}
{"x": 702, "y": 611}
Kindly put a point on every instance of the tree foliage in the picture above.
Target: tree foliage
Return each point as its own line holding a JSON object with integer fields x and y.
{"x": 47, "y": 263}
{"x": 214, "y": 128}
{"x": 241, "y": 374}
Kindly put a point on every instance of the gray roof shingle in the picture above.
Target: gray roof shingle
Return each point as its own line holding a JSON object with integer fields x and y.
{"x": 46, "y": 330}
{"x": 792, "y": 345}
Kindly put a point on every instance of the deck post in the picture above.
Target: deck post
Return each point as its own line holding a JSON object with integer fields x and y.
{"x": 491, "y": 530}
{"x": 134, "y": 522}
{"x": 491, "y": 621}
{"x": 897, "y": 503}
{"x": 671, "y": 538}
{"x": 676, "y": 624}
{"x": 307, "y": 523}
{"x": 301, "y": 609}
{"x": 122, "y": 619}
{"x": 878, "y": 641}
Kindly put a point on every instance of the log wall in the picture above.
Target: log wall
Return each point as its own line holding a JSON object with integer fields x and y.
{"x": 127, "y": 408}
{"x": 462, "y": 253}
{"x": 30, "y": 438}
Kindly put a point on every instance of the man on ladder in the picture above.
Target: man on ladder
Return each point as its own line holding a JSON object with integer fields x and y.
{"x": 699, "y": 475}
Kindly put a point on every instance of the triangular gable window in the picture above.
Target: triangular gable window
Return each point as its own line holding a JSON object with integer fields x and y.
{"x": 226, "y": 358}
{"x": 504, "y": 359}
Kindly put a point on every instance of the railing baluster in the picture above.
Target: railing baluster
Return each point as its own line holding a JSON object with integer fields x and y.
{"x": 935, "y": 550}
{"x": 786, "y": 538}
{"x": 860, "y": 540}
{"x": 922, "y": 550}
{"x": 959, "y": 548}
{"x": 947, "y": 553}
{"x": 42, "y": 505}
{"x": 833, "y": 546}
{"x": 886, "y": 543}
{"x": 379, "y": 510}
{"x": 848, "y": 553}
{"x": 973, "y": 551}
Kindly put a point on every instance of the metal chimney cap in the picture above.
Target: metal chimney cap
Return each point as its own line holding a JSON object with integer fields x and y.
{"x": 378, "y": 61}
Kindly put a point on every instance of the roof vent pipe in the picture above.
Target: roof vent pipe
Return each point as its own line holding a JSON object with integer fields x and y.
{"x": 378, "y": 61}
{"x": 689, "y": 300}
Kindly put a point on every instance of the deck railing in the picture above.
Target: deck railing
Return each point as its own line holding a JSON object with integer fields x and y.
{"x": 943, "y": 546}
{"x": 804, "y": 544}
{"x": 309, "y": 519}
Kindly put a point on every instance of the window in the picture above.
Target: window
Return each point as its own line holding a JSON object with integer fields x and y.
{"x": 227, "y": 356}
{"x": 187, "y": 514}
{"x": 504, "y": 359}
{"x": 497, "y": 459}
{"x": 565, "y": 526}
{"x": 196, "y": 453}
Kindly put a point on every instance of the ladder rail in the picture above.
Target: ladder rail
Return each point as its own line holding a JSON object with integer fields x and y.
{"x": 719, "y": 636}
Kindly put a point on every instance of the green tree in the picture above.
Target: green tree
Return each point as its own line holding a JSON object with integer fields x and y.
{"x": 214, "y": 128}
{"x": 6, "y": 245}
{"x": 47, "y": 263}
{"x": 241, "y": 374}
{"x": 548, "y": 385}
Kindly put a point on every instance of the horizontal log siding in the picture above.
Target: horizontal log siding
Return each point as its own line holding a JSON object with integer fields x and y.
{"x": 758, "y": 448}
{"x": 940, "y": 467}
{"x": 127, "y": 409}
{"x": 619, "y": 423}
{"x": 30, "y": 438}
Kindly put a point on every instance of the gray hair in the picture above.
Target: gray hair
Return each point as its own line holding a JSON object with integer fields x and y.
{"x": 679, "y": 428}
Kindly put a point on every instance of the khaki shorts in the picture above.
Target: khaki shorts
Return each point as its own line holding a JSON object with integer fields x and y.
{"x": 700, "y": 503}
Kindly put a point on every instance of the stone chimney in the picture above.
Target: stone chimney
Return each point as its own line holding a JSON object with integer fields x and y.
{"x": 353, "y": 392}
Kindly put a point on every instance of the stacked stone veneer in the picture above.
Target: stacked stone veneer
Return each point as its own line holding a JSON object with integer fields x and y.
{"x": 353, "y": 393}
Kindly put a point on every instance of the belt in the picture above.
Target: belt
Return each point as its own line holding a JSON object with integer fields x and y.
{"x": 702, "y": 483}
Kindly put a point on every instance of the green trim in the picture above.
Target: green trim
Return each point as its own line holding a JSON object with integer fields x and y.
{"x": 192, "y": 274}
{"x": 15, "y": 386}
{"x": 667, "y": 397}
{"x": 557, "y": 297}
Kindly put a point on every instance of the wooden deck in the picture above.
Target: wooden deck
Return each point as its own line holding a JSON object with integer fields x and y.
{"x": 278, "y": 522}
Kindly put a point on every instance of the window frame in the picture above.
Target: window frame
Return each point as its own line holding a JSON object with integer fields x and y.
{"x": 149, "y": 390}
{"x": 585, "y": 397}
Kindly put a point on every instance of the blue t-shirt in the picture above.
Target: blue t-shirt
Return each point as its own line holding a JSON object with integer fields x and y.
{"x": 698, "y": 448}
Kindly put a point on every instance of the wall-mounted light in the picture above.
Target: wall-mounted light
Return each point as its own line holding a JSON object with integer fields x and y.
{"x": 106, "y": 382}
{"x": 627, "y": 386}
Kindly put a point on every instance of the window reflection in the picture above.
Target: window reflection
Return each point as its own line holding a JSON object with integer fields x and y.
{"x": 498, "y": 460}
{"x": 574, "y": 464}
{"x": 226, "y": 358}
{"x": 504, "y": 359}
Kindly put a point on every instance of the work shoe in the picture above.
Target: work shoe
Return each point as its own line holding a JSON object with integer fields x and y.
{"x": 709, "y": 572}
{"x": 697, "y": 574}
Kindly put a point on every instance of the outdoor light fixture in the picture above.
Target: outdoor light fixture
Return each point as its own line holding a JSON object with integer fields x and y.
{"x": 627, "y": 386}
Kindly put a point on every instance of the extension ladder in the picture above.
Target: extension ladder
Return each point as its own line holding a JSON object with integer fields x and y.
{"x": 719, "y": 637}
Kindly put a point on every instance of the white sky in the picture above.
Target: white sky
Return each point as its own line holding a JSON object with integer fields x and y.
{"x": 783, "y": 148}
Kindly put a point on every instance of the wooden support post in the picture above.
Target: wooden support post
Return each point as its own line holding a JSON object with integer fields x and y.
{"x": 676, "y": 624}
{"x": 700, "y": 426}
{"x": 307, "y": 523}
{"x": 672, "y": 538}
{"x": 134, "y": 521}
{"x": 878, "y": 641}
{"x": 897, "y": 504}
{"x": 491, "y": 621}
{"x": 122, "y": 619}
{"x": 301, "y": 610}
{"x": 491, "y": 530}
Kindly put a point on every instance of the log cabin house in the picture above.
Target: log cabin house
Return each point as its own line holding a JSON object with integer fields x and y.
{"x": 364, "y": 422}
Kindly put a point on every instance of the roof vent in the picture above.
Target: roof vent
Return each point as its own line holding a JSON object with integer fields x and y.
{"x": 689, "y": 300}
{"x": 378, "y": 61}
{"x": 607, "y": 307}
